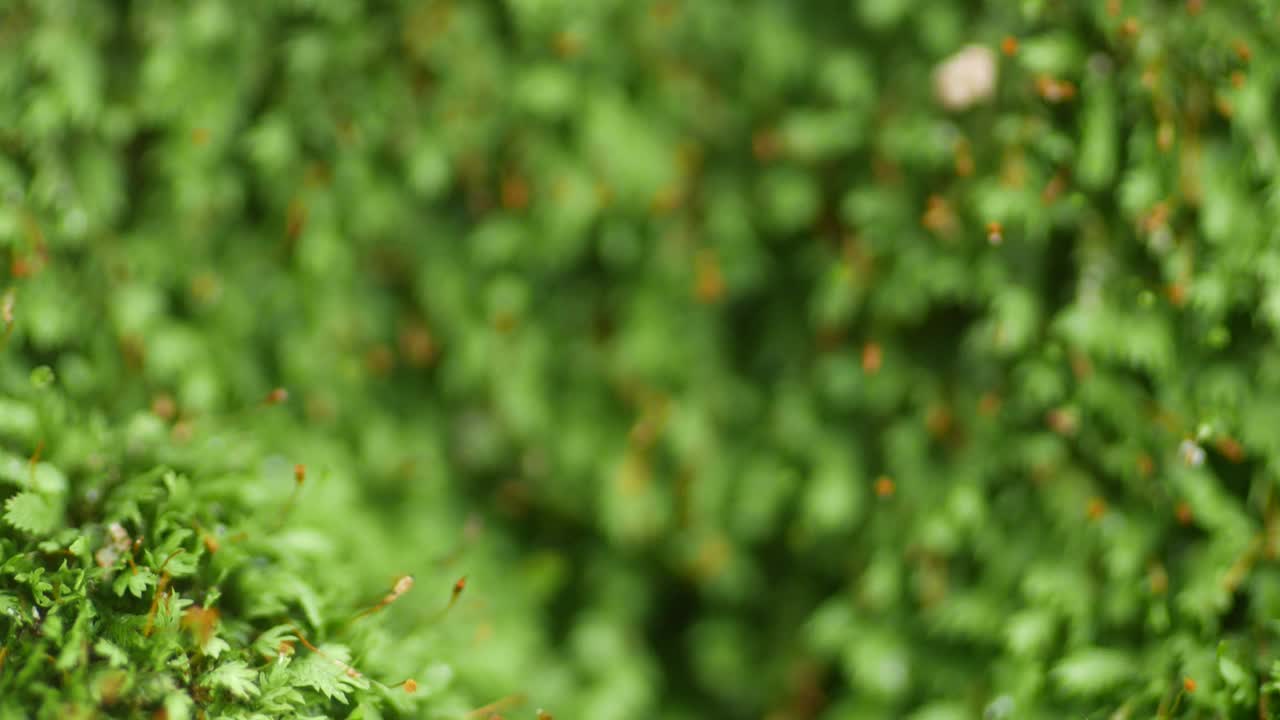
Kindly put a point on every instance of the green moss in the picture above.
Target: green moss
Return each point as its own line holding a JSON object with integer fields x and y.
{"x": 738, "y": 375}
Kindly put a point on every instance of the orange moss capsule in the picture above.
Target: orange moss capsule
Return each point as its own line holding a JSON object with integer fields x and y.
{"x": 1009, "y": 45}
{"x": 200, "y": 622}
{"x": 1242, "y": 50}
{"x": 938, "y": 216}
{"x": 1189, "y": 684}
{"x": 708, "y": 279}
{"x": 416, "y": 345}
{"x": 885, "y": 486}
{"x": 1097, "y": 508}
{"x": 1183, "y": 513}
{"x": 299, "y": 473}
{"x": 1230, "y": 448}
{"x": 20, "y": 268}
{"x": 163, "y": 406}
{"x": 1063, "y": 421}
{"x": 766, "y": 145}
{"x": 872, "y": 358}
{"x": 403, "y": 585}
{"x": 1054, "y": 90}
{"x": 995, "y": 233}
{"x": 515, "y": 193}
{"x": 410, "y": 686}
{"x": 277, "y": 396}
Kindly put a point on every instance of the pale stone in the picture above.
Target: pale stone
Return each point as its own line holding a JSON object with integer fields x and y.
{"x": 966, "y": 78}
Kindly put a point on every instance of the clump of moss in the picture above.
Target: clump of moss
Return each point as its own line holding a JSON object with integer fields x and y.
{"x": 140, "y": 573}
{"x": 847, "y": 358}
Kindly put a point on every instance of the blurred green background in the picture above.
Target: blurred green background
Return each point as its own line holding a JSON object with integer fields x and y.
{"x": 742, "y": 372}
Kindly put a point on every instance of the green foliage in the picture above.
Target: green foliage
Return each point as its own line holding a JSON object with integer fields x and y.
{"x": 130, "y": 586}
{"x": 30, "y": 511}
{"x": 235, "y": 677}
{"x": 741, "y": 372}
